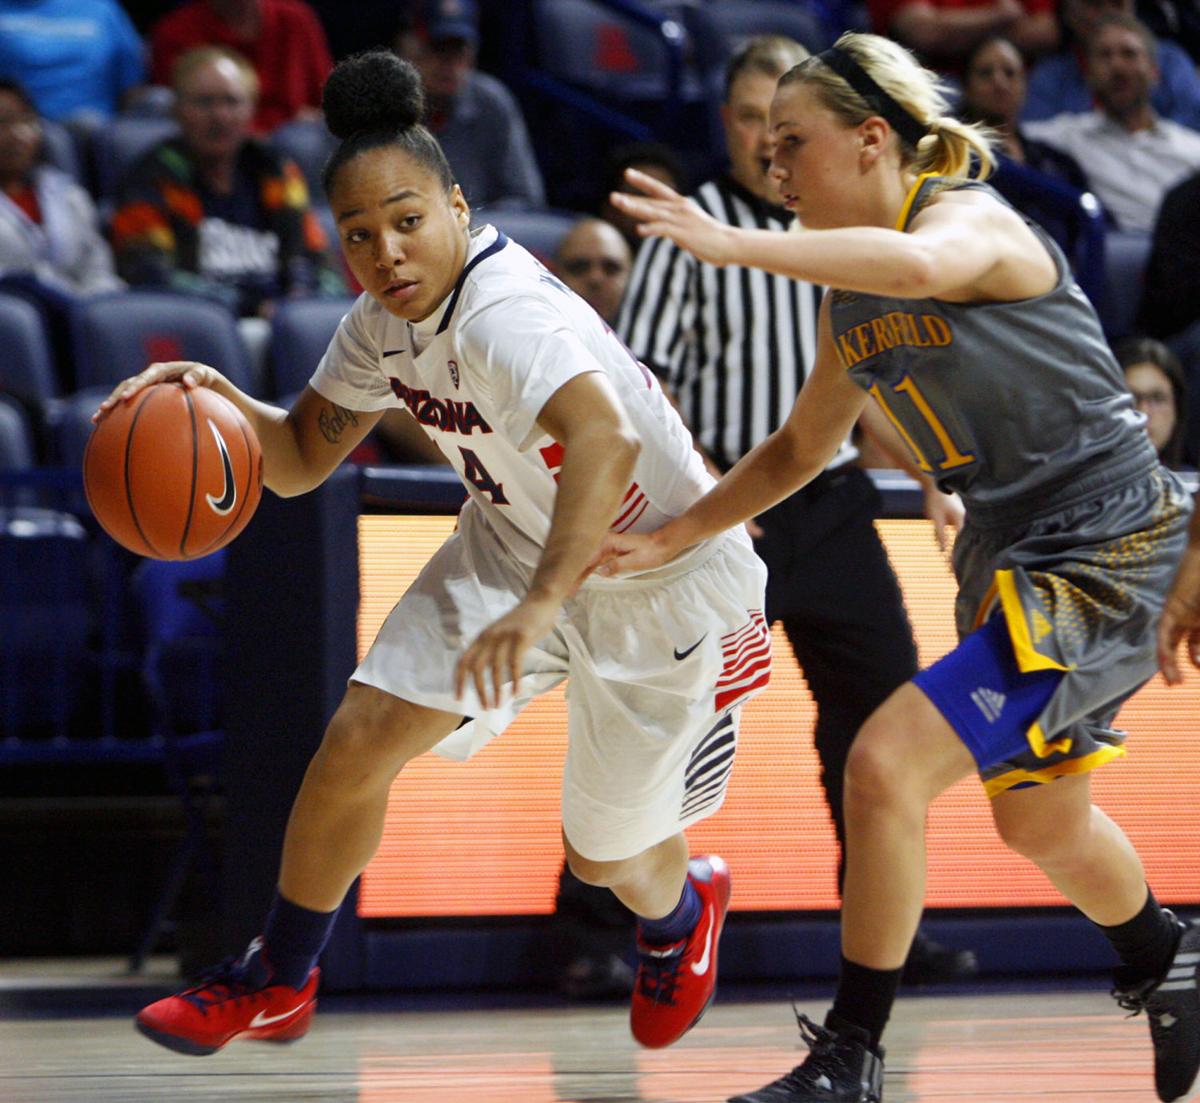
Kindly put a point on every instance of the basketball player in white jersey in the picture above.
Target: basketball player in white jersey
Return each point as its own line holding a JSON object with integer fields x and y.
{"x": 560, "y": 436}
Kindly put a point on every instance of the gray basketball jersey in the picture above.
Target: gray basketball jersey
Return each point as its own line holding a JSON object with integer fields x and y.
{"x": 1005, "y": 403}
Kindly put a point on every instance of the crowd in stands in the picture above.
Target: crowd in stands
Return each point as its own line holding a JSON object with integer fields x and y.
{"x": 177, "y": 146}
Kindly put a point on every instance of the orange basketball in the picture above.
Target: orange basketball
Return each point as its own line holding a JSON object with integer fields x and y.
{"x": 175, "y": 473}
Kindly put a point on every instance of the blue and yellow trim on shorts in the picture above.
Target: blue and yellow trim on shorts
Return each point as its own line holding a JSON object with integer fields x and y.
{"x": 1026, "y": 630}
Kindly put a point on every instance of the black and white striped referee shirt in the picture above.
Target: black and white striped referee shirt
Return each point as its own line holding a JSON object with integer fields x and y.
{"x": 733, "y": 344}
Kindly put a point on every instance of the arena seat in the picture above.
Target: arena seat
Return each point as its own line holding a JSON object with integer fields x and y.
{"x": 60, "y": 149}
{"x": 308, "y": 143}
{"x": 116, "y": 336}
{"x": 16, "y": 438}
{"x": 117, "y": 145}
{"x": 722, "y": 26}
{"x": 609, "y": 52}
{"x": 1125, "y": 256}
{"x": 181, "y": 607}
{"x": 301, "y": 330}
{"x": 45, "y": 599}
{"x": 26, "y": 368}
{"x": 538, "y": 231}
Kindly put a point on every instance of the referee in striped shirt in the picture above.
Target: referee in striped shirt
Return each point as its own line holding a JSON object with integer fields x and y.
{"x": 733, "y": 345}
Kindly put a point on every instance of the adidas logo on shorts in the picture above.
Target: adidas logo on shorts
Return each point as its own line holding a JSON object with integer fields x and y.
{"x": 990, "y": 703}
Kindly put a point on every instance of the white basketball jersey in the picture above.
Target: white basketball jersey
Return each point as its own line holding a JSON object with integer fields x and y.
{"x": 478, "y": 371}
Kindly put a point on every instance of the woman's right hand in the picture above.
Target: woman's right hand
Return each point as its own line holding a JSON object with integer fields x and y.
{"x": 188, "y": 372}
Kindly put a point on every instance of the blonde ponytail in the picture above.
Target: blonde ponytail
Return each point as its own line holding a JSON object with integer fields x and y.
{"x": 913, "y": 97}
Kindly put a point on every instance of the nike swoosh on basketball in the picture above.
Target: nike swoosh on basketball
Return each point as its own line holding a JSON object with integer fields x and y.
{"x": 263, "y": 1019}
{"x": 228, "y": 498}
{"x": 684, "y": 654}
{"x": 701, "y": 967}
{"x": 392, "y": 352}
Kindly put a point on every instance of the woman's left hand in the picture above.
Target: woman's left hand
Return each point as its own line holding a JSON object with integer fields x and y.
{"x": 945, "y": 511}
{"x": 663, "y": 212}
{"x": 499, "y": 650}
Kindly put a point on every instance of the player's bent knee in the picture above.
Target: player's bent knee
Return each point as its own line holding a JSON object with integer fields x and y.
{"x": 602, "y": 874}
{"x": 373, "y": 733}
{"x": 589, "y": 872}
{"x": 875, "y": 767}
{"x": 1042, "y": 843}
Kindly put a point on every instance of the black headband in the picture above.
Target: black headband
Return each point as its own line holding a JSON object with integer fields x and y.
{"x": 911, "y": 129}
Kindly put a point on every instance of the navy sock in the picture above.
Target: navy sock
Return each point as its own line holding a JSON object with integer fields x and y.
{"x": 1145, "y": 944}
{"x": 293, "y": 940}
{"x": 678, "y": 924}
{"x": 865, "y": 997}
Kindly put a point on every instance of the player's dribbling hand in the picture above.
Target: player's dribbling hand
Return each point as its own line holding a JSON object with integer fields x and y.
{"x": 188, "y": 372}
{"x": 498, "y": 651}
{"x": 663, "y": 212}
{"x": 1181, "y": 619}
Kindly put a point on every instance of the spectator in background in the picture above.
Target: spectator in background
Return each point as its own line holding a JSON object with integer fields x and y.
{"x": 48, "y": 225}
{"x": 216, "y": 211}
{"x": 1039, "y": 180}
{"x": 594, "y": 262}
{"x": 993, "y": 93}
{"x": 79, "y": 60}
{"x": 1131, "y": 155}
{"x": 282, "y": 39}
{"x": 1171, "y": 294}
{"x": 654, "y": 159}
{"x": 943, "y": 32}
{"x": 1155, "y": 378}
{"x": 473, "y": 116}
{"x": 1059, "y": 84}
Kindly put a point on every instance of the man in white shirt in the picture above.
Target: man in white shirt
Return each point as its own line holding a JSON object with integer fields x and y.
{"x": 1131, "y": 155}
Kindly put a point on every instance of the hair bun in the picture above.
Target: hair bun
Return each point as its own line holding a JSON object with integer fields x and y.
{"x": 372, "y": 91}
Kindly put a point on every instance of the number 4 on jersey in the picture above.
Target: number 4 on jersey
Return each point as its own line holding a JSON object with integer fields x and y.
{"x": 481, "y": 479}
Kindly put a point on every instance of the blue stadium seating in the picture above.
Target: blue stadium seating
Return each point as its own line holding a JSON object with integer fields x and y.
{"x": 722, "y": 26}
{"x": 46, "y": 609}
{"x": 182, "y": 611}
{"x": 308, "y": 143}
{"x": 16, "y": 438}
{"x": 301, "y": 330}
{"x": 1125, "y": 257}
{"x": 116, "y": 336}
{"x": 121, "y": 142}
{"x": 538, "y": 231}
{"x": 59, "y": 149}
{"x": 598, "y": 46}
{"x": 26, "y": 368}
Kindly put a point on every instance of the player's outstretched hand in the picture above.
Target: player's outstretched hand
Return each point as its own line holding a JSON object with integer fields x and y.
{"x": 494, "y": 657}
{"x": 1181, "y": 619}
{"x": 663, "y": 212}
{"x": 188, "y": 372}
{"x": 946, "y": 512}
{"x": 623, "y": 552}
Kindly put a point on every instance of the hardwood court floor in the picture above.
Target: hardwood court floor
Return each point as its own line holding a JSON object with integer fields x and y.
{"x": 1071, "y": 1047}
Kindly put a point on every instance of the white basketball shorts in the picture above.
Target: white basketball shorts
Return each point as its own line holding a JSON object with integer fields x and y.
{"x": 658, "y": 666}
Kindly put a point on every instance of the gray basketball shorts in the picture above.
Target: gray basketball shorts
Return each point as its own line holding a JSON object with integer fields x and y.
{"x": 1081, "y": 589}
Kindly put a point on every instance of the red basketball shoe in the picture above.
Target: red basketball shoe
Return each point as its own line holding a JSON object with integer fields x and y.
{"x": 675, "y": 983}
{"x": 230, "y": 1003}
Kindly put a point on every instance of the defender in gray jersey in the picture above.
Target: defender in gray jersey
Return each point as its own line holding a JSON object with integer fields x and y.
{"x": 961, "y": 320}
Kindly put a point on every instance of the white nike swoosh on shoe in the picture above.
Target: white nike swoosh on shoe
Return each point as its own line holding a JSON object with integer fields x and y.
{"x": 701, "y": 967}
{"x": 263, "y": 1019}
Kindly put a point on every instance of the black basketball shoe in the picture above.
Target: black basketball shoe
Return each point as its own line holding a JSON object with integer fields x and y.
{"x": 1172, "y": 1004}
{"x": 841, "y": 1067}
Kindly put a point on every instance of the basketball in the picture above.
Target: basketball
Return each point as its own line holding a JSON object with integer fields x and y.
{"x": 175, "y": 473}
